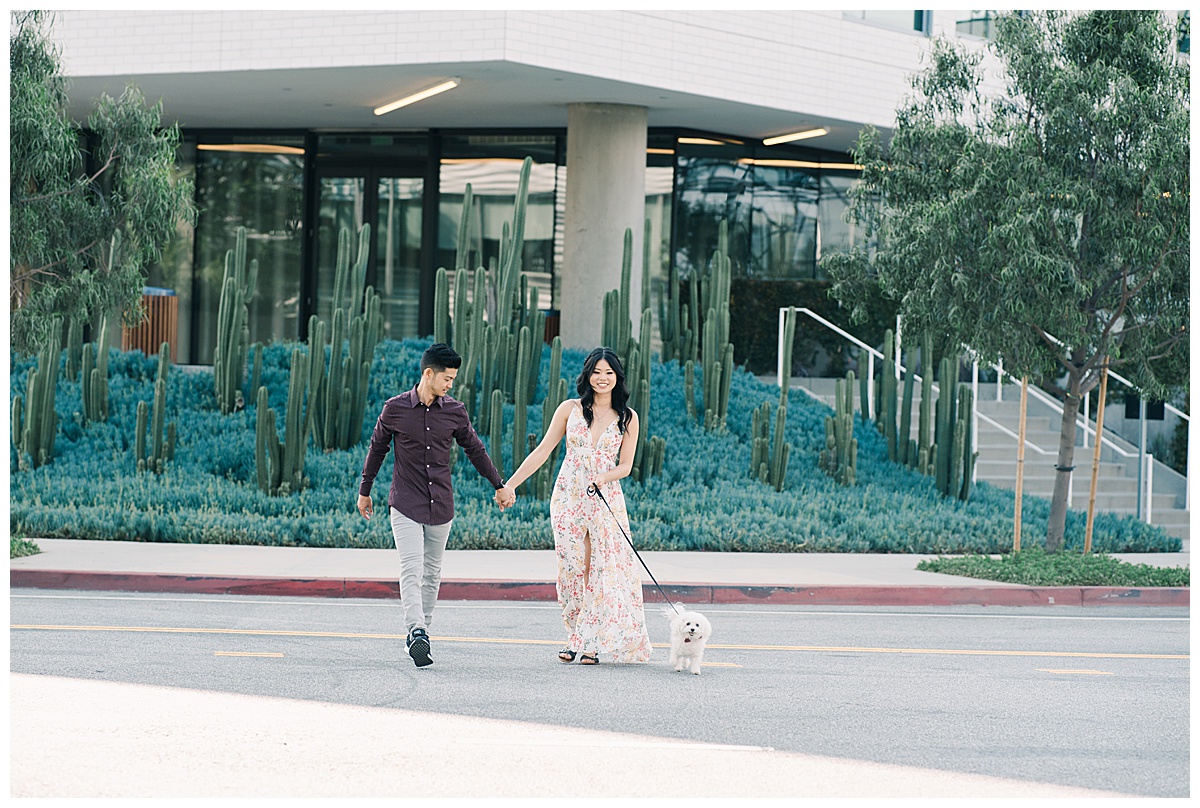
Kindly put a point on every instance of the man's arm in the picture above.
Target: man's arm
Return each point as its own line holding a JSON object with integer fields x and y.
{"x": 465, "y": 435}
{"x": 381, "y": 441}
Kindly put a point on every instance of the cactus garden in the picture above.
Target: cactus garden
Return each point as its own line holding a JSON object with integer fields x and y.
{"x": 701, "y": 499}
{"x": 266, "y": 447}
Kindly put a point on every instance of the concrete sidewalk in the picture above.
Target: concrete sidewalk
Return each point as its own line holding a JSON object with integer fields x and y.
{"x": 691, "y": 577}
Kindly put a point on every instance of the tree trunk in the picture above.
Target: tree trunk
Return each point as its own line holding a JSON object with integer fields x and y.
{"x": 1057, "y": 524}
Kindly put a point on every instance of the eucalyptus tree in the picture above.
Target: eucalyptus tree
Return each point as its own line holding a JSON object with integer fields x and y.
{"x": 1045, "y": 225}
{"x": 82, "y": 233}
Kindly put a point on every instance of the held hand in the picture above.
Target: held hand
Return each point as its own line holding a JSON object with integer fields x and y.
{"x": 364, "y": 506}
{"x": 505, "y": 497}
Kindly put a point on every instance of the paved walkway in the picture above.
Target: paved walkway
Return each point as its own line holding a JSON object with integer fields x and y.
{"x": 189, "y": 743}
{"x": 692, "y": 577}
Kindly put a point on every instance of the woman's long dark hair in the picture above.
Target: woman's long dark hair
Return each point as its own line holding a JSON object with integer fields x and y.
{"x": 620, "y": 393}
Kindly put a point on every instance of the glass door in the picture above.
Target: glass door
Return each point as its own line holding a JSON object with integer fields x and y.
{"x": 398, "y": 245}
{"x": 391, "y": 200}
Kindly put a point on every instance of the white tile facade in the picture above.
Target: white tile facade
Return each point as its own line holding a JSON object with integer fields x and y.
{"x": 813, "y": 62}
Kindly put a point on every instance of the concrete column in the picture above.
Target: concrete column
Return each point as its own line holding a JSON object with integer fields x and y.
{"x": 606, "y": 193}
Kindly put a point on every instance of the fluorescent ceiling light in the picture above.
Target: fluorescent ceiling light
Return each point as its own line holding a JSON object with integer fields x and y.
{"x": 467, "y": 161}
{"x": 799, "y": 164}
{"x": 249, "y": 148}
{"x": 449, "y": 84}
{"x": 660, "y": 151}
{"x": 708, "y": 141}
{"x": 807, "y": 133}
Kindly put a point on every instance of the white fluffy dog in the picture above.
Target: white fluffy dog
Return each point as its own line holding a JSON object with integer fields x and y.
{"x": 690, "y": 632}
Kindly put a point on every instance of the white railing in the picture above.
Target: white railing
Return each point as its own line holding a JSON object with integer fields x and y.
{"x": 1147, "y": 460}
{"x": 1144, "y": 463}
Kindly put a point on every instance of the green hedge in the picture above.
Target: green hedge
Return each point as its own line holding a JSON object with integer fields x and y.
{"x": 1036, "y": 567}
{"x": 704, "y": 499}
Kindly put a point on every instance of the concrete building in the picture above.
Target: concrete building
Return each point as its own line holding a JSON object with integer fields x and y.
{"x": 669, "y": 117}
{"x": 627, "y": 115}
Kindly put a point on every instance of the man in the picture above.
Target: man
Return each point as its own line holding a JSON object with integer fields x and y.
{"x": 422, "y": 423}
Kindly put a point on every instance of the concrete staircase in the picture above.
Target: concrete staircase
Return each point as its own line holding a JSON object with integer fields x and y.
{"x": 1117, "y": 483}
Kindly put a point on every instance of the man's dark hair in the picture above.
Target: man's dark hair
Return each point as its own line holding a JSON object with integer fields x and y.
{"x": 440, "y": 356}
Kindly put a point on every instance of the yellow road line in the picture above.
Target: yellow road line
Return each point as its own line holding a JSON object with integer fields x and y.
{"x": 720, "y": 664}
{"x": 509, "y": 641}
{"x": 248, "y": 653}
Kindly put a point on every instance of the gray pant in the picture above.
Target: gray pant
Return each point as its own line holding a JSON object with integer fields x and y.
{"x": 421, "y": 549}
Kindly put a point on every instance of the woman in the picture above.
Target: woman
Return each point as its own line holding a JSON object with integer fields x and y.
{"x": 599, "y": 587}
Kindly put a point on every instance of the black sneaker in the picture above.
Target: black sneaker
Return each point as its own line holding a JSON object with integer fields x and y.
{"x": 418, "y": 647}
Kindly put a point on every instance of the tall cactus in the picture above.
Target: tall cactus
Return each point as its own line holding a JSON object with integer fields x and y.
{"x": 905, "y": 447}
{"x": 968, "y": 455}
{"x": 925, "y": 428}
{"x": 556, "y": 394}
{"x": 233, "y": 325}
{"x": 496, "y": 430}
{"x": 717, "y": 355}
{"x": 864, "y": 385}
{"x": 676, "y": 321}
{"x": 760, "y": 441}
{"x": 521, "y": 395}
{"x": 357, "y": 326}
{"x": 161, "y": 451}
{"x": 839, "y": 458}
{"x": 94, "y": 377}
{"x": 616, "y": 329}
{"x": 74, "y": 348}
{"x": 34, "y": 418}
{"x": 885, "y": 414}
{"x": 279, "y": 465}
{"x": 441, "y": 306}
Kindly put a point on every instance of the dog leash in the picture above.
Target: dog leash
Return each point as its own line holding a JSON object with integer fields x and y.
{"x": 594, "y": 490}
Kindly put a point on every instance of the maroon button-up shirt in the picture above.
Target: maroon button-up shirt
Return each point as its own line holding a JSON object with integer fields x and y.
{"x": 421, "y": 487}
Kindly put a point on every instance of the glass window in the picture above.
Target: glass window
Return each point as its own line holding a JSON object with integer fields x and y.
{"x": 398, "y": 254}
{"x": 900, "y": 20}
{"x": 979, "y": 23}
{"x": 375, "y": 179}
{"x": 711, "y": 187}
{"x": 660, "y": 185}
{"x": 783, "y": 233}
{"x": 173, "y": 269}
{"x": 834, "y": 233}
{"x": 491, "y": 164}
{"x": 257, "y": 184}
{"x": 771, "y": 205}
{"x": 1184, "y": 29}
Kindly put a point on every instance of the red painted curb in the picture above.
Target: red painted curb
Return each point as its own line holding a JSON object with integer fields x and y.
{"x": 692, "y": 594}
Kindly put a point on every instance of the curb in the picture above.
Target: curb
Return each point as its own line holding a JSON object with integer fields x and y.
{"x": 717, "y": 594}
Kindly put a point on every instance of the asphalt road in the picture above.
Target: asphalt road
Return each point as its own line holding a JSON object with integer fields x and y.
{"x": 1093, "y": 698}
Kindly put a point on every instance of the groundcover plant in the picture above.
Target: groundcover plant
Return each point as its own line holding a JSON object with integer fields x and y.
{"x": 704, "y": 499}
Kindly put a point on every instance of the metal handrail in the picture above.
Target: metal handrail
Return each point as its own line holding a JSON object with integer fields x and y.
{"x": 871, "y": 354}
{"x": 1112, "y": 374}
{"x": 1046, "y": 399}
{"x": 1054, "y": 404}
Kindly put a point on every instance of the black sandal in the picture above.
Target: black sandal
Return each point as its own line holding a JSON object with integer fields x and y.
{"x": 566, "y": 655}
{"x": 589, "y": 659}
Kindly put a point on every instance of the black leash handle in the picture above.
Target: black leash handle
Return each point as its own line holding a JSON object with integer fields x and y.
{"x": 594, "y": 490}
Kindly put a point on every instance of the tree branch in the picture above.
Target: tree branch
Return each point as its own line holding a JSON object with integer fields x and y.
{"x": 112, "y": 157}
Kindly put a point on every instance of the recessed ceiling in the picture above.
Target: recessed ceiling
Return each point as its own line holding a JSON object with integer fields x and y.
{"x": 492, "y": 95}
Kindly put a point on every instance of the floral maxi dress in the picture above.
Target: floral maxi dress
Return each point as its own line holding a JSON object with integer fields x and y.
{"x": 604, "y": 615}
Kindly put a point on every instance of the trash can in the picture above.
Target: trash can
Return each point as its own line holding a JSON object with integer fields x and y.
{"x": 161, "y": 324}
